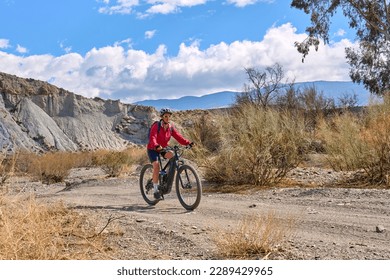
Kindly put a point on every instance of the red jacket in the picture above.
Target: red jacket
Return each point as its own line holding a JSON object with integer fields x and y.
{"x": 164, "y": 136}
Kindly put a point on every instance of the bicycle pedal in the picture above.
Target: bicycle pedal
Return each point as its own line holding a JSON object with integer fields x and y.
{"x": 158, "y": 196}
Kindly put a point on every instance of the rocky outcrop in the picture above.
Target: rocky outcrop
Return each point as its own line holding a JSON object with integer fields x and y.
{"x": 37, "y": 116}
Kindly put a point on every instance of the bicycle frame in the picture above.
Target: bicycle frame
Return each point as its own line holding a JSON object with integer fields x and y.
{"x": 166, "y": 182}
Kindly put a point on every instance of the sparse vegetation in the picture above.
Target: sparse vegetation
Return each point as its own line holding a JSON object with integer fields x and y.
{"x": 256, "y": 237}
{"x": 51, "y": 167}
{"x": 115, "y": 163}
{"x": 258, "y": 147}
{"x": 54, "y": 167}
{"x": 206, "y": 133}
{"x": 33, "y": 231}
{"x": 112, "y": 162}
{"x": 344, "y": 147}
{"x": 7, "y": 167}
{"x": 363, "y": 142}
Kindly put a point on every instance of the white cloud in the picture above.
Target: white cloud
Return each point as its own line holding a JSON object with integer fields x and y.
{"x": 21, "y": 49}
{"x": 4, "y": 43}
{"x": 130, "y": 75}
{"x": 67, "y": 49}
{"x": 153, "y": 6}
{"x": 163, "y": 8}
{"x": 150, "y": 34}
{"x": 127, "y": 42}
{"x": 244, "y": 3}
{"x": 241, "y": 3}
{"x": 121, "y": 7}
{"x": 340, "y": 32}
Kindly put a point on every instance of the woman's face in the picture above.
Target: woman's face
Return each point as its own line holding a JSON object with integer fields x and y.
{"x": 166, "y": 117}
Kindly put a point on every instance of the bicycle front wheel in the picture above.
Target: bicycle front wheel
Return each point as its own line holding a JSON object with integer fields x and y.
{"x": 188, "y": 187}
{"x": 146, "y": 184}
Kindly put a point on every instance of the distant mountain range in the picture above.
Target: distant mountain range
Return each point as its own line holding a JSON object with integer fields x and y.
{"x": 224, "y": 99}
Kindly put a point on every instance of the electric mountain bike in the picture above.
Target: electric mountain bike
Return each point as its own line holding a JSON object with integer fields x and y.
{"x": 187, "y": 182}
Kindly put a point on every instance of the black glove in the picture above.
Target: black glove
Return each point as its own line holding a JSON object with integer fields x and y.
{"x": 192, "y": 144}
{"x": 158, "y": 148}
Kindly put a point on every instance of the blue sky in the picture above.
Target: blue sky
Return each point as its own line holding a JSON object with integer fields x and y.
{"x": 134, "y": 49}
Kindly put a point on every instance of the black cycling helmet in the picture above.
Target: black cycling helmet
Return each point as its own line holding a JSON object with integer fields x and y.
{"x": 164, "y": 111}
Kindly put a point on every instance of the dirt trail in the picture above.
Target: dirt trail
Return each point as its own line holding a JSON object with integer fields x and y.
{"x": 331, "y": 223}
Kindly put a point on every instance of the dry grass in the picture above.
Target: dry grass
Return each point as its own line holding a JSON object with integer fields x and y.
{"x": 256, "y": 237}
{"x": 116, "y": 163}
{"x": 354, "y": 143}
{"x": 259, "y": 147}
{"x": 51, "y": 167}
{"x": 33, "y": 231}
{"x": 205, "y": 132}
{"x": 7, "y": 167}
{"x": 54, "y": 167}
{"x": 343, "y": 144}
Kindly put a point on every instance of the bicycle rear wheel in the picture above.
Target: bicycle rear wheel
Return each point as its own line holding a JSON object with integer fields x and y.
{"x": 188, "y": 187}
{"x": 146, "y": 184}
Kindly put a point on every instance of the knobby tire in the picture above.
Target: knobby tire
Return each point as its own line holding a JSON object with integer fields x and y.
{"x": 146, "y": 184}
{"x": 188, "y": 187}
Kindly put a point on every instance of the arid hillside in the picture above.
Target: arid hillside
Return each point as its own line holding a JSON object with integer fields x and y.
{"x": 37, "y": 116}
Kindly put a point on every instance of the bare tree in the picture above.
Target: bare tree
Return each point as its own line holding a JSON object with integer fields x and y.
{"x": 347, "y": 101}
{"x": 264, "y": 86}
{"x": 289, "y": 99}
{"x": 316, "y": 106}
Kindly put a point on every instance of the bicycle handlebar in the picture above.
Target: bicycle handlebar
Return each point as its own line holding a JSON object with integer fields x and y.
{"x": 175, "y": 148}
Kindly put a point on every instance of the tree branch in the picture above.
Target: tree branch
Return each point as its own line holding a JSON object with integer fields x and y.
{"x": 367, "y": 19}
{"x": 110, "y": 219}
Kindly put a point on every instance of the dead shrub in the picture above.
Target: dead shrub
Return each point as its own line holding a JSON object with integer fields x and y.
{"x": 361, "y": 143}
{"x": 256, "y": 237}
{"x": 33, "y": 231}
{"x": 344, "y": 146}
{"x": 54, "y": 167}
{"x": 7, "y": 167}
{"x": 113, "y": 163}
{"x": 137, "y": 156}
{"x": 376, "y": 135}
{"x": 259, "y": 147}
{"x": 205, "y": 132}
{"x": 51, "y": 167}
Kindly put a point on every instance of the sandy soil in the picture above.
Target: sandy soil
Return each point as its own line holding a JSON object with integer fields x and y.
{"x": 331, "y": 222}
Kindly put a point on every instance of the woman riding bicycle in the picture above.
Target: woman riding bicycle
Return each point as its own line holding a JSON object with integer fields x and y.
{"x": 160, "y": 134}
